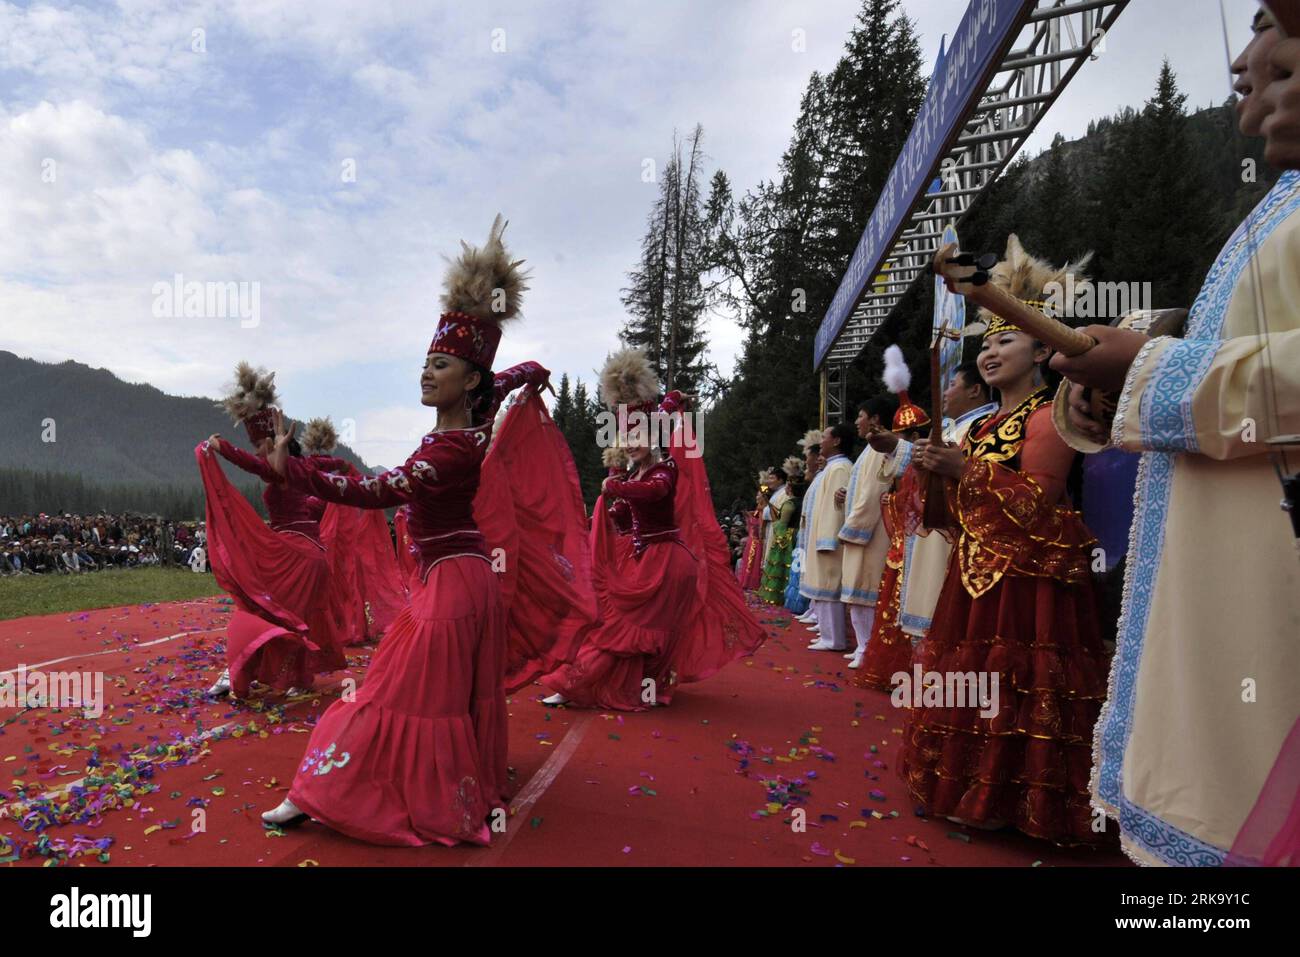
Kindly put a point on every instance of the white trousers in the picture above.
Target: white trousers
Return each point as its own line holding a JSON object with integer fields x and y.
{"x": 830, "y": 616}
{"x": 862, "y": 617}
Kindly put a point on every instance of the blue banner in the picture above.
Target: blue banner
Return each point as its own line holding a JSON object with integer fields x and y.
{"x": 982, "y": 39}
{"x": 949, "y": 314}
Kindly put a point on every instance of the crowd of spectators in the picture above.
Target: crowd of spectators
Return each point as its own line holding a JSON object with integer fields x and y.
{"x": 71, "y": 544}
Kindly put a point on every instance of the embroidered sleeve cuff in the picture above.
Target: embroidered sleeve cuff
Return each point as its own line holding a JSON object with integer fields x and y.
{"x": 858, "y": 536}
{"x": 1154, "y": 412}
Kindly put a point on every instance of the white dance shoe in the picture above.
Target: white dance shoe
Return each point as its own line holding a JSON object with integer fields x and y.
{"x": 857, "y": 660}
{"x": 823, "y": 646}
{"x": 221, "y": 687}
{"x": 286, "y": 815}
{"x": 554, "y": 700}
{"x": 807, "y": 618}
{"x": 852, "y": 654}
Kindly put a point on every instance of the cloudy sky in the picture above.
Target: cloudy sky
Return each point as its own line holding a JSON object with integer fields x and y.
{"x": 331, "y": 151}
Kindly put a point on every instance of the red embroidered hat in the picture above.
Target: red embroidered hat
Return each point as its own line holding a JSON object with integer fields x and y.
{"x": 474, "y": 340}
{"x": 897, "y": 378}
{"x": 482, "y": 289}
{"x": 260, "y": 425}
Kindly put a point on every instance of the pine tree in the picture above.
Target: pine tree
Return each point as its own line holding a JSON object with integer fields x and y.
{"x": 563, "y": 410}
{"x": 666, "y": 296}
{"x": 790, "y": 239}
{"x": 1164, "y": 229}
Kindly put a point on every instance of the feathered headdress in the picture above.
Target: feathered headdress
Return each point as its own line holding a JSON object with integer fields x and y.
{"x": 792, "y": 466}
{"x": 628, "y": 379}
{"x": 897, "y": 378}
{"x": 251, "y": 399}
{"x": 614, "y": 457}
{"x": 813, "y": 437}
{"x": 767, "y": 478}
{"x": 1027, "y": 277}
{"x": 319, "y": 437}
{"x": 483, "y": 287}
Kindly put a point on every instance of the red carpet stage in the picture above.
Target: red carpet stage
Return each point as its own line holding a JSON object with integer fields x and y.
{"x": 712, "y": 780}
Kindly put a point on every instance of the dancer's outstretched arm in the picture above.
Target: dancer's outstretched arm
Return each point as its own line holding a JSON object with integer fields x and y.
{"x": 440, "y": 454}
{"x": 526, "y": 373}
{"x": 253, "y": 464}
{"x": 658, "y": 485}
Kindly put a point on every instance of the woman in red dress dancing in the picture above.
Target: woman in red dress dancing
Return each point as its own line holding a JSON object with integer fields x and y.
{"x": 367, "y": 585}
{"x": 419, "y": 756}
{"x": 284, "y": 630}
{"x": 1017, "y": 607}
{"x": 671, "y": 609}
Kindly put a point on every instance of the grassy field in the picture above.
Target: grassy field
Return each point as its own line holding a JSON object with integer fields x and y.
{"x": 46, "y": 594}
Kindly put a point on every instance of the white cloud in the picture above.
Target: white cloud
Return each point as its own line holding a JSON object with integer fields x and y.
{"x": 226, "y": 165}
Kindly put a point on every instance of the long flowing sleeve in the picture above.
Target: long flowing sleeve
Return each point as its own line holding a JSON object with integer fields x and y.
{"x": 425, "y": 473}
{"x": 652, "y": 488}
{"x": 862, "y": 502}
{"x": 330, "y": 463}
{"x": 1210, "y": 396}
{"x": 828, "y": 516}
{"x": 674, "y": 401}
{"x": 526, "y": 373}
{"x": 253, "y": 464}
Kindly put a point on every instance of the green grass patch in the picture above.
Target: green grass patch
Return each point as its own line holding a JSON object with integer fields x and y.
{"x": 24, "y": 595}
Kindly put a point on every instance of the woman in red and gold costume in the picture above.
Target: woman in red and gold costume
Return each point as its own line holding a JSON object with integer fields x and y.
{"x": 671, "y": 611}
{"x": 1017, "y": 608}
{"x": 286, "y": 627}
{"x": 419, "y": 756}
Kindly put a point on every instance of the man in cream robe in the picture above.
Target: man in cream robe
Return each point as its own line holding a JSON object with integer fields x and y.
{"x": 925, "y": 562}
{"x": 823, "y": 555}
{"x": 866, "y": 542}
{"x": 1205, "y": 683}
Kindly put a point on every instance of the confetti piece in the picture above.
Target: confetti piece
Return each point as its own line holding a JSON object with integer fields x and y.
{"x": 845, "y": 860}
{"x": 308, "y": 862}
{"x": 819, "y": 850}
